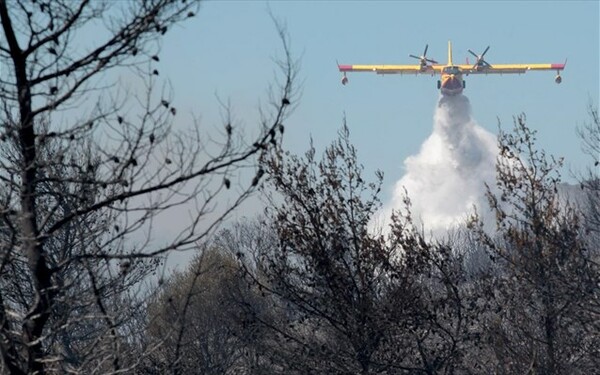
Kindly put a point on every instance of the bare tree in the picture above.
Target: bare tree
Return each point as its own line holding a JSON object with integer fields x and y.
{"x": 345, "y": 299}
{"x": 543, "y": 284}
{"x": 590, "y": 182}
{"x": 205, "y": 317}
{"x": 84, "y": 171}
{"x": 195, "y": 317}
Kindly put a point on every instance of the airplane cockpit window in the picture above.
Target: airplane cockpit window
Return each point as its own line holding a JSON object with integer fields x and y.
{"x": 451, "y": 70}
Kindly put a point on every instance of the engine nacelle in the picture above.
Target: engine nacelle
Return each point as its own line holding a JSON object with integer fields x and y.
{"x": 344, "y": 80}
{"x": 558, "y": 78}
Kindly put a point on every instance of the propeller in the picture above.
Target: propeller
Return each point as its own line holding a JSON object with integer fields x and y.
{"x": 423, "y": 58}
{"x": 480, "y": 61}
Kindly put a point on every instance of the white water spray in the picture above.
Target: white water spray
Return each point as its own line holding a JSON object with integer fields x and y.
{"x": 446, "y": 178}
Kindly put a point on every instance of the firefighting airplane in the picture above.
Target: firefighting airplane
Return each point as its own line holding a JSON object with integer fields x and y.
{"x": 451, "y": 82}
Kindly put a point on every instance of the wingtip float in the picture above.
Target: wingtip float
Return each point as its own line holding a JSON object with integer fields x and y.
{"x": 451, "y": 80}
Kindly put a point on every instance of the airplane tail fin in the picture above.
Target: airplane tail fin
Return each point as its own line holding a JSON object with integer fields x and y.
{"x": 450, "y": 53}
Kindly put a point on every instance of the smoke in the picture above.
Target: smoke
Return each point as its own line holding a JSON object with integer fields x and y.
{"x": 446, "y": 178}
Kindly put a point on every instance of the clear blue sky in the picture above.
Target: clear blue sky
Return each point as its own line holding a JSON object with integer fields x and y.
{"x": 229, "y": 49}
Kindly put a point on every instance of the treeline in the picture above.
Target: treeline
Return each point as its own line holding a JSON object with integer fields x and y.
{"x": 314, "y": 288}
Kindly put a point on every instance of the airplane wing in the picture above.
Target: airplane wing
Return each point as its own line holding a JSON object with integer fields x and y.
{"x": 509, "y": 68}
{"x": 391, "y": 69}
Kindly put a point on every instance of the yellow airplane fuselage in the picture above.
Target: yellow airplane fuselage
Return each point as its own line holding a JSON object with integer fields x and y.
{"x": 451, "y": 81}
{"x": 451, "y": 84}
